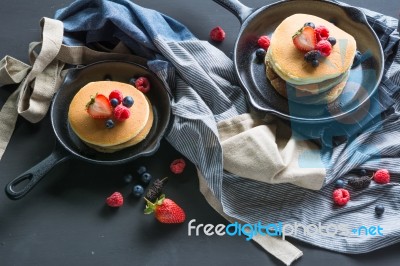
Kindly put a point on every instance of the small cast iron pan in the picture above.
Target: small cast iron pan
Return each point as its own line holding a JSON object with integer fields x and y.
{"x": 68, "y": 145}
{"x": 363, "y": 81}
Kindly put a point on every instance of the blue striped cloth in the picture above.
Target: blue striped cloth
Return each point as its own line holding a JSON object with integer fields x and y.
{"x": 206, "y": 91}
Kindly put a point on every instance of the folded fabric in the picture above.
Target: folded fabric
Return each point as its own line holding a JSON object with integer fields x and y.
{"x": 371, "y": 146}
{"x": 267, "y": 152}
{"x": 205, "y": 89}
{"x": 278, "y": 247}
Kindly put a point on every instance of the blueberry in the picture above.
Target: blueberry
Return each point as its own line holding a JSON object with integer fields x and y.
{"x": 379, "y": 209}
{"x": 312, "y": 55}
{"x": 260, "y": 53}
{"x": 309, "y": 24}
{"x": 132, "y": 81}
{"x": 357, "y": 59}
{"x": 137, "y": 191}
{"x": 141, "y": 170}
{"x": 315, "y": 63}
{"x": 110, "y": 123}
{"x": 128, "y": 178}
{"x": 363, "y": 172}
{"x": 332, "y": 40}
{"x": 339, "y": 183}
{"x": 114, "y": 102}
{"x": 107, "y": 78}
{"x": 127, "y": 101}
{"x": 146, "y": 177}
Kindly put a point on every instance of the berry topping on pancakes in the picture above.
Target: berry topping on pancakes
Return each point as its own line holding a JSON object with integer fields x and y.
{"x": 99, "y": 107}
{"x": 121, "y": 113}
{"x": 322, "y": 33}
{"x": 116, "y": 94}
{"x": 325, "y": 47}
{"x": 304, "y": 39}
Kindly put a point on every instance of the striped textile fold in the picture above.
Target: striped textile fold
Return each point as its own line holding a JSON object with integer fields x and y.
{"x": 205, "y": 91}
{"x": 194, "y": 134}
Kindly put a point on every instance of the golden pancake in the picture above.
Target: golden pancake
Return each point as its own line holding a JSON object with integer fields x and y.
{"x": 94, "y": 131}
{"x": 303, "y": 96}
{"x": 135, "y": 140}
{"x": 288, "y": 62}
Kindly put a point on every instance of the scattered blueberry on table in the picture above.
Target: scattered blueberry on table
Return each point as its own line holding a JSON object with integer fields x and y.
{"x": 339, "y": 183}
{"x": 146, "y": 178}
{"x": 379, "y": 209}
{"x": 137, "y": 191}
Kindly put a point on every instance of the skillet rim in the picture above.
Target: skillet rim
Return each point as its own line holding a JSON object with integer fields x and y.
{"x": 287, "y": 116}
{"x": 147, "y": 151}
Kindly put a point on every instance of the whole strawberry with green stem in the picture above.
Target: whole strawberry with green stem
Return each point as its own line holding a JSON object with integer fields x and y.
{"x": 165, "y": 210}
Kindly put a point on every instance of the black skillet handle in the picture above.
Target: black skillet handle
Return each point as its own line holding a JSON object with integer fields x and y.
{"x": 35, "y": 174}
{"x": 241, "y": 11}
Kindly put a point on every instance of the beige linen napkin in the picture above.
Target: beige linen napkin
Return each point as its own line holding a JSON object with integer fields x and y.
{"x": 39, "y": 81}
{"x": 279, "y": 248}
{"x": 264, "y": 149}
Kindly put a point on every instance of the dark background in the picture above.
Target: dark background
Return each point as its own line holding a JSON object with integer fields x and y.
{"x": 64, "y": 220}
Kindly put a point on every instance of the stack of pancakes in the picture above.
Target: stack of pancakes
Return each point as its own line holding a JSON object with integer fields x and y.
{"x": 125, "y": 133}
{"x": 298, "y": 80}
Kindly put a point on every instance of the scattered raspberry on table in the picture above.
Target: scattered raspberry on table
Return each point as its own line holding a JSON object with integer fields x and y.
{"x": 217, "y": 34}
{"x": 177, "y": 166}
{"x": 115, "y": 200}
{"x": 341, "y": 196}
{"x": 382, "y": 176}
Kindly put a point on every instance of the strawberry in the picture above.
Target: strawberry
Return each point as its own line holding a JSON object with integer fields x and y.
{"x": 99, "y": 107}
{"x": 165, "y": 211}
{"x": 304, "y": 39}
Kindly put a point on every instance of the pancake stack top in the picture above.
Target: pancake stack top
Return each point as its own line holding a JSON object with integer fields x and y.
{"x": 287, "y": 66}
{"x": 124, "y": 133}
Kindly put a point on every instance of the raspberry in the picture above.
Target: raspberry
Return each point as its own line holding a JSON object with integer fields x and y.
{"x": 341, "y": 196}
{"x": 264, "y": 42}
{"x": 142, "y": 84}
{"x": 121, "y": 113}
{"x": 115, "y": 200}
{"x": 382, "y": 176}
{"x": 116, "y": 94}
{"x": 322, "y": 33}
{"x": 217, "y": 34}
{"x": 177, "y": 166}
{"x": 324, "y": 47}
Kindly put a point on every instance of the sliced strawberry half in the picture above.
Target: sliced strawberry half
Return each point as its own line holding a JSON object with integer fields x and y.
{"x": 305, "y": 39}
{"x": 99, "y": 107}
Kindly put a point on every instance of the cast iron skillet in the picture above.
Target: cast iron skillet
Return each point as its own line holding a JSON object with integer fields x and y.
{"x": 363, "y": 81}
{"x": 68, "y": 145}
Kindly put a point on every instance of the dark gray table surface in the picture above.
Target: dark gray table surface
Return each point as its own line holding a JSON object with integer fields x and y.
{"x": 64, "y": 221}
